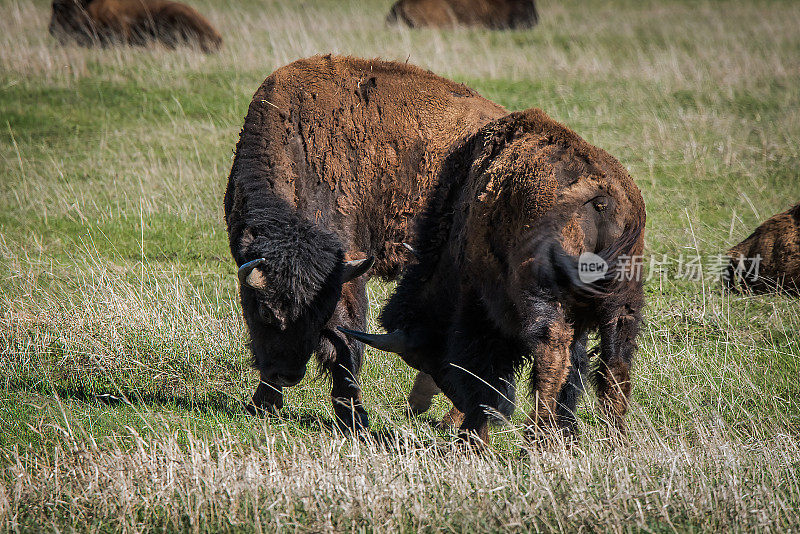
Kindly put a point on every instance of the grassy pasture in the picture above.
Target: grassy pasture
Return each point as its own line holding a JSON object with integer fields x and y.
{"x": 124, "y": 356}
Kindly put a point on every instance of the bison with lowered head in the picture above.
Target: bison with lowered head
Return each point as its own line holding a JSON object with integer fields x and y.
{"x": 335, "y": 158}
{"x": 133, "y": 22}
{"x": 769, "y": 259}
{"x": 497, "y": 283}
{"x": 492, "y": 14}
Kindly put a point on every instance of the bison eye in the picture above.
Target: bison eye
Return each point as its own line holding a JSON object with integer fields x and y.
{"x": 599, "y": 203}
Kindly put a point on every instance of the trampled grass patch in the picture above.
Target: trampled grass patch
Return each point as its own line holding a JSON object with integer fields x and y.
{"x": 125, "y": 358}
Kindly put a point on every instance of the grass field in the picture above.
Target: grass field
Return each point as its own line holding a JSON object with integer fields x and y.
{"x": 124, "y": 355}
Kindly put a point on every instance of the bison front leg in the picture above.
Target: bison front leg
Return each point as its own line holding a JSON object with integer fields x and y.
{"x": 268, "y": 398}
{"x": 419, "y": 401}
{"x": 348, "y": 409}
{"x": 478, "y": 373}
{"x": 422, "y": 393}
{"x": 573, "y": 388}
{"x": 484, "y": 392}
{"x": 612, "y": 375}
{"x": 344, "y": 357}
{"x": 551, "y": 364}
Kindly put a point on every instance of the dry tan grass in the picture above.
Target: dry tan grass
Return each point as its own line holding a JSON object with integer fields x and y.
{"x": 725, "y": 44}
{"x": 725, "y": 465}
{"x": 715, "y": 482}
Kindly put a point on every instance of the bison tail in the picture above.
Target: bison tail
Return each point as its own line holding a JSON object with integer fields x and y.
{"x": 590, "y": 276}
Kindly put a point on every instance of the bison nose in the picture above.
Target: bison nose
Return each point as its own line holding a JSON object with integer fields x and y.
{"x": 288, "y": 379}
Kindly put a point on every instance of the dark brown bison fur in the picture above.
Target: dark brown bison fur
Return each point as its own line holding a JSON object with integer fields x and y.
{"x": 497, "y": 284}
{"x": 776, "y": 244}
{"x": 492, "y": 14}
{"x": 334, "y": 161}
{"x": 133, "y": 22}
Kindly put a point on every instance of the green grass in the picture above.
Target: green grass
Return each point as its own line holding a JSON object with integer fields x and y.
{"x": 124, "y": 354}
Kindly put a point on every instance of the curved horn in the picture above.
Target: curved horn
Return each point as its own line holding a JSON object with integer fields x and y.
{"x": 246, "y": 269}
{"x": 397, "y": 341}
{"x": 355, "y": 268}
{"x": 411, "y": 249}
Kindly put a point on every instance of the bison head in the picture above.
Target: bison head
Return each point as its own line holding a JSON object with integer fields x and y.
{"x": 288, "y": 296}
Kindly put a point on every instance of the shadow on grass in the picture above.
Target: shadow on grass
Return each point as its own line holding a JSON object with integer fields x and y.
{"x": 390, "y": 439}
{"x": 217, "y": 404}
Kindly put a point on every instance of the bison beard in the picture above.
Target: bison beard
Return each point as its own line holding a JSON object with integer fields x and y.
{"x": 492, "y": 14}
{"x": 497, "y": 285}
{"x": 133, "y": 22}
{"x": 776, "y": 244}
{"x": 335, "y": 158}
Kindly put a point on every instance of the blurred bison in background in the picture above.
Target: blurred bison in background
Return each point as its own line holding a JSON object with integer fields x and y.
{"x": 334, "y": 161}
{"x": 492, "y": 14}
{"x": 133, "y": 22}
{"x": 768, "y": 260}
{"x": 517, "y": 209}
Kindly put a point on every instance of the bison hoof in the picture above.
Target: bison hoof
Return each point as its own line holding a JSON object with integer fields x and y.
{"x": 261, "y": 411}
{"x": 618, "y": 434}
{"x": 470, "y": 440}
{"x": 452, "y": 419}
{"x": 551, "y": 437}
{"x": 350, "y": 419}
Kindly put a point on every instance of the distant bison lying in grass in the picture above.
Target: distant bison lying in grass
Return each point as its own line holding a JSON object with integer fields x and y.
{"x": 334, "y": 161}
{"x": 493, "y": 14}
{"x": 769, "y": 259}
{"x": 133, "y": 22}
{"x": 498, "y": 285}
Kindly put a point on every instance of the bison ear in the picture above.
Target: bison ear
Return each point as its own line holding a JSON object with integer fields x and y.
{"x": 354, "y": 269}
{"x": 252, "y": 277}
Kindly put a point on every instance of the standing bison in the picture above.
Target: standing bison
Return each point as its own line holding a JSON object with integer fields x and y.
{"x": 492, "y": 14}
{"x": 335, "y": 158}
{"x": 769, "y": 259}
{"x": 497, "y": 283}
{"x": 133, "y": 22}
